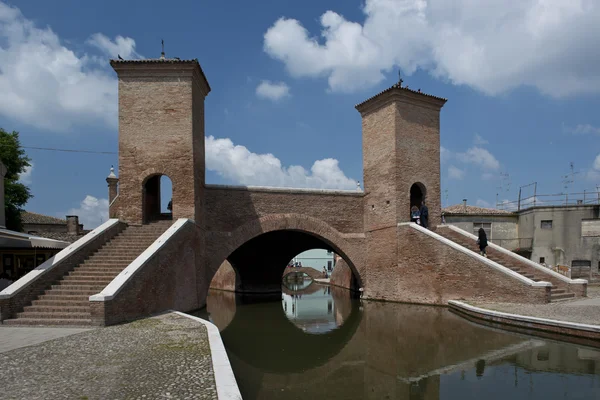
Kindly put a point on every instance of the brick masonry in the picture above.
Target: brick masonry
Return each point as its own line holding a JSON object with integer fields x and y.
{"x": 167, "y": 281}
{"x": 431, "y": 272}
{"x": 9, "y": 307}
{"x": 161, "y": 132}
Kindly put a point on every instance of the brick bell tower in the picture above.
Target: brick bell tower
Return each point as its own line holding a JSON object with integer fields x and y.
{"x": 401, "y": 163}
{"x": 161, "y": 132}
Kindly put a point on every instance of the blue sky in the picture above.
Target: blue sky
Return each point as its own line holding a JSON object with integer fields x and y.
{"x": 521, "y": 79}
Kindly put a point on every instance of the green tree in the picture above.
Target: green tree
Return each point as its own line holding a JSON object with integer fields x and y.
{"x": 16, "y": 162}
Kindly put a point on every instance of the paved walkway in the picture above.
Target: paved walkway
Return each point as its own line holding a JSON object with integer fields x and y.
{"x": 583, "y": 311}
{"x": 16, "y": 337}
{"x": 166, "y": 357}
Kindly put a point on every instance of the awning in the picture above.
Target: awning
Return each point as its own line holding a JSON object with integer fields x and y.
{"x": 12, "y": 239}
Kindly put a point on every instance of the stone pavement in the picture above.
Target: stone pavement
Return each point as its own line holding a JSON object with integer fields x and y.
{"x": 16, "y": 337}
{"x": 583, "y": 311}
{"x": 166, "y": 357}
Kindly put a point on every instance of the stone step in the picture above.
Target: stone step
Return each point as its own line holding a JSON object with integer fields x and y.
{"x": 78, "y": 287}
{"x": 111, "y": 258}
{"x": 57, "y": 309}
{"x": 45, "y": 302}
{"x": 75, "y": 298}
{"x": 104, "y": 264}
{"x": 71, "y": 292}
{"x": 49, "y": 315}
{"x": 86, "y": 280}
{"x": 88, "y": 272}
{"x": 557, "y": 291}
{"x": 561, "y": 296}
{"x": 107, "y": 270}
{"x": 47, "y": 322}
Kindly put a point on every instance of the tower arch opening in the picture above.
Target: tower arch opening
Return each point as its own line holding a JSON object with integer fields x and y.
{"x": 157, "y": 198}
{"x": 418, "y": 193}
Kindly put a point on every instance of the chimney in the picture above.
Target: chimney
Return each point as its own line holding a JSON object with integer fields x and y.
{"x": 465, "y": 205}
{"x": 72, "y": 225}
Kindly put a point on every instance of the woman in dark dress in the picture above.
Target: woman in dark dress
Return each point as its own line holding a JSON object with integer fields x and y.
{"x": 482, "y": 242}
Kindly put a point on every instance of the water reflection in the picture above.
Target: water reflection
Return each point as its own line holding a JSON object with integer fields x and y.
{"x": 388, "y": 351}
{"x": 310, "y": 307}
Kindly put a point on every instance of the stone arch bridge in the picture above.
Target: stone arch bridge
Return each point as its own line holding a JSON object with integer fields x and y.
{"x": 257, "y": 230}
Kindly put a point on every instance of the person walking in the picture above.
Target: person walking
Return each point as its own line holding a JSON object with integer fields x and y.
{"x": 482, "y": 242}
{"x": 424, "y": 211}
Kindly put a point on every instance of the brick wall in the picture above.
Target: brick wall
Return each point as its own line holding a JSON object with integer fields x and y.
{"x": 161, "y": 132}
{"x": 168, "y": 280}
{"x": 342, "y": 275}
{"x": 431, "y": 272}
{"x": 11, "y": 306}
{"x": 225, "y": 278}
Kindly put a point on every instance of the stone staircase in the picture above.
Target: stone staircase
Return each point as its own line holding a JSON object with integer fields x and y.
{"x": 560, "y": 289}
{"x": 66, "y": 302}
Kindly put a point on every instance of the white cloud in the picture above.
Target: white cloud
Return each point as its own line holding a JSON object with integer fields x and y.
{"x": 582, "y": 129}
{"x": 47, "y": 85}
{"x": 479, "y": 141}
{"x": 238, "y": 164}
{"x": 455, "y": 173}
{"x": 487, "y": 176}
{"x": 121, "y": 46}
{"x": 482, "y": 203}
{"x": 491, "y": 45}
{"x": 445, "y": 154}
{"x": 25, "y": 177}
{"x": 272, "y": 90}
{"x": 593, "y": 174}
{"x": 91, "y": 212}
{"x": 481, "y": 157}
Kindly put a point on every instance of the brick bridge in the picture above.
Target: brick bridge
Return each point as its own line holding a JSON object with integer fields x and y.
{"x": 313, "y": 273}
{"x": 257, "y": 230}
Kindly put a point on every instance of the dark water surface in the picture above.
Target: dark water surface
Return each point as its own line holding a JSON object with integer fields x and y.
{"x": 316, "y": 342}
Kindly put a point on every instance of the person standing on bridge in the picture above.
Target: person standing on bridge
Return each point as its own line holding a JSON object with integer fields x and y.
{"x": 424, "y": 215}
{"x": 482, "y": 242}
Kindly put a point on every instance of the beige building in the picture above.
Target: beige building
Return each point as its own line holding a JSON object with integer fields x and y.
{"x": 553, "y": 235}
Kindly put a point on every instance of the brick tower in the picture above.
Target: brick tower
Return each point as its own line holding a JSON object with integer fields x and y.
{"x": 401, "y": 162}
{"x": 161, "y": 132}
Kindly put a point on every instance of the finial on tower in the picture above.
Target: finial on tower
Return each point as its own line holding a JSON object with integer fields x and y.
{"x": 358, "y": 186}
{"x": 400, "y": 78}
{"x": 112, "y": 172}
{"x": 162, "y": 53}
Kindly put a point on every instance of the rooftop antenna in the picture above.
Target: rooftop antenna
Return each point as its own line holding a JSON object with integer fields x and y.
{"x": 162, "y": 53}
{"x": 570, "y": 177}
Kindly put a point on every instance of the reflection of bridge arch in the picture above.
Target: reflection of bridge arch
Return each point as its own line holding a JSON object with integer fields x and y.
{"x": 312, "y": 287}
{"x": 313, "y": 273}
{"x": 259, "y": 250}
{"x": 275, "y": 332}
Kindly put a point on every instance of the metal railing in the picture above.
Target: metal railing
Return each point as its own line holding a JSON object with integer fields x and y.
{"x": 514, "y": 243}
{"x": 558, "y": 199}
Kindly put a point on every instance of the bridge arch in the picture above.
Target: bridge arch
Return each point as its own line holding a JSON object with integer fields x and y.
{"x": 314, "y": 231}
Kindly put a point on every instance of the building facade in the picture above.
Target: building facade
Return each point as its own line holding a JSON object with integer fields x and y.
{"x": 315, "y": 258}
{"x": 552, "y": 235}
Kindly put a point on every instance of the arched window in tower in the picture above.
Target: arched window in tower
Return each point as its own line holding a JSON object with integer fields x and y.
{"x": 417, "y": 196}
{"x": 157, "y": 198}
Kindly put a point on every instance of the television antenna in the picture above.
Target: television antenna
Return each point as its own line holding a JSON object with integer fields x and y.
{"x": 569, "y": 178}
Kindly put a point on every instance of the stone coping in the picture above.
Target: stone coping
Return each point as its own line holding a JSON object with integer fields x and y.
{"x": 519, "y": 258}
{"x": 115, "y": 286}
{"x": 543, "y": 324}
{"x": 53, "y": 261}
{"x": 472, "y": 254}
{"x": 273, "y": 189}
{"x": 227, "y": 388}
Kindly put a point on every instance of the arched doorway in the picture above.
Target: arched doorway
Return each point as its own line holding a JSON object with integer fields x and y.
{"x": 417, "y": 195}
{"x": 157, "y": 198}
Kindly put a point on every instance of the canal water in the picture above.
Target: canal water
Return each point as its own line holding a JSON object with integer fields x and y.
{"x": 317, "y": 342}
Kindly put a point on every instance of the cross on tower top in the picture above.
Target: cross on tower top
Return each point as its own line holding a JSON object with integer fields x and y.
{"x": 400, "y": 79}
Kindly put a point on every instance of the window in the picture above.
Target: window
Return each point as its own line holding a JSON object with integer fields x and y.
{"x": 487, "y": 227}
{"x": 546, "y": 224}
{"x": 542, "y": 260}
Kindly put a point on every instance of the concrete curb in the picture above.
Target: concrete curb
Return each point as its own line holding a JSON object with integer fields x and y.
{"x": 528, "y": 322}
{"x": 227, "y": 388}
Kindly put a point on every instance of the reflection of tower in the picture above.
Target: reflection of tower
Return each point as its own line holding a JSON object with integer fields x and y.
{"x": 479, "y": 368}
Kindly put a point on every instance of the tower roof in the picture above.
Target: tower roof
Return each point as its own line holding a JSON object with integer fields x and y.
{"x": 398, "y": 89}
{"x": 116, "y": 63}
